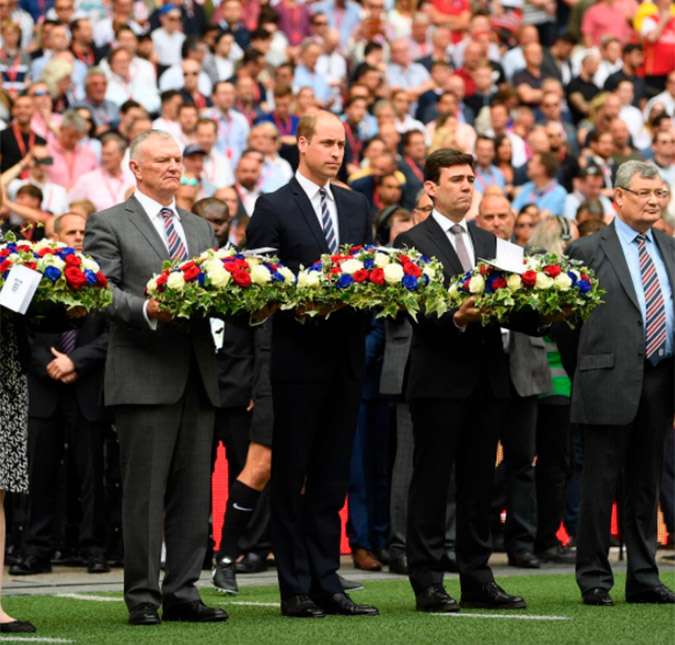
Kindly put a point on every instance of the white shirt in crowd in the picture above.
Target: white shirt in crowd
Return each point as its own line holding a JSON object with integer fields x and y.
{"x": 168, "y": 46}
{"x": 54, "y": 197}
{"x": 172, "y": 79}
{"x": 248, "y": 197}
{"x": 104, "y": 34}
{"x": 312, "y": 191}
{"x": 137, "y": 89}
{"x": 218, "y": 170}
{"x": 172, "y": 127}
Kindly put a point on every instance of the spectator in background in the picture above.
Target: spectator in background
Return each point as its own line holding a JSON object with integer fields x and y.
{"x": 306, "y": 74}
{"x": 188, "y": 115}
{"x": 15, "y": 63}
{"x": 168, "y": 38}
{"x": 526, "y": 220}
{"x": 106, "y": 112}
{"x": 411, "y": 164}
{"x": 610, "y": 60}
{"x": 582, "y": 89}
{"x": 217, "y": 169}
{"x": 190, "y": 91}
{"x": 19, "y": 138}
{"x": 276, "y": 171}
{"x": 542, "y": 190}
{"x": 247, "y": 175}
{"x": 663, "y": 147}
{"x": 170, "y": 100}
{"x": 123, "y": 85}
{"x": 587, "y": 187}
{"x": 121, "y": 14}
{"x": 403, "y": 74}
{"x": 604, "y": 17}
{"x": 233, "y": 127}
{"x": 623, "y": 150}
{"x": 294, "y": 21}
{"x": 487, "y": 174}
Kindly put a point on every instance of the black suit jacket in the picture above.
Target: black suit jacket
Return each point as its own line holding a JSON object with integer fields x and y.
{"x": 445, "y": 362}
{"x": 285, "y": 220}
{"x": 89, "y": 358}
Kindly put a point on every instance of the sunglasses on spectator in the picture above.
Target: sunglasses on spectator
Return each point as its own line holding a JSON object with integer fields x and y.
{"x": 40, "y": 93}
{"x": 190, "y": 73}
{"x": 525, "y": 225}
{"x": 189, "y": 181}
{"x": 424, "y": 209}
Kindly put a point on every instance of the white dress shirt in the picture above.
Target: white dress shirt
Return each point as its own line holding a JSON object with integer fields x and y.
{"x": 312, "y": 191}
{"x": 152, "y": 210}
{"x": 168, "y": 46}
{"x": 446, "y": 224}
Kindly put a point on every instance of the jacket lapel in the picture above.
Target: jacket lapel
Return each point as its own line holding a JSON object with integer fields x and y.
{"x": 141, "y": 220}
{"x": 191, "y": 233}
{"x": 343, "y": 216}
{"x": 484, "y": 244}
{"x": 667, "y": 255}
{"x": 611, "y": 245}
{"x": 446, "y": 253}
{"x": 308, "y": 213}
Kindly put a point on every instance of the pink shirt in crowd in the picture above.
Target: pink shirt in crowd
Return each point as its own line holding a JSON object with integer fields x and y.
{"x": 69, "y": 165}
{"x": 101, "y": 188}
{"x": 601, "y": 20}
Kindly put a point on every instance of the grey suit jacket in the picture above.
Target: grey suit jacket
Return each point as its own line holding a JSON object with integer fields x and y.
{"x": 145, "y": 366}
{"x": 608, "y": 352}
{"x": 398, "y": 336}
{"x": 528, "y": 365}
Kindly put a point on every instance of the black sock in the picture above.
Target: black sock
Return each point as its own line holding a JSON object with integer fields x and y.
{"x": 240, "y": 506}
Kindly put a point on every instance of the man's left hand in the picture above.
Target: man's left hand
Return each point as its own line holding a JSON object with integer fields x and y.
{"x": 61, "y": 365}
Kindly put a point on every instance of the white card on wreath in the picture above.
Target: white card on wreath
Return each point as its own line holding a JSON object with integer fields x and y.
{"x": 20, "y": 287}
{"x": 509, "y": 257}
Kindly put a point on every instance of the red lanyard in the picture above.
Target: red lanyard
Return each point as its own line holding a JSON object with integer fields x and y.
{"x": 20, "y": 142}
{"x": 353, "y": 143}
{"x": 284, "y": 128}
{"x": 415, "y": 168}
{"x": 14, "y": 71}
{"x": 86, "y": 57}
{"x": 536, "y": 194}
{"x": 376, "y": 198}
{"x": 227, "y": 134}
{"x": 113, "y": 194}
{"x": 294, "y": 17}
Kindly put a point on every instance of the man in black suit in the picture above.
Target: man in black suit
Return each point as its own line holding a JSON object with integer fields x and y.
{"x": 623, "y": 387}
{"x": 316, "y": 369}
{"x": 458, "y": 385}
{"x": 64, "y": 384}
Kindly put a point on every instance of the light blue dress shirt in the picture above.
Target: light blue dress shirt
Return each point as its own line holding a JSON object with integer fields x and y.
{"x": 551, "y": 197}
{"x": 629, "y": 245}
{"x": 303, "y": 77}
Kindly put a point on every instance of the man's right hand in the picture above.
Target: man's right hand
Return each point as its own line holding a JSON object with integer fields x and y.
{"x": 156, "y": 313}
{"x": 467, "y": 313}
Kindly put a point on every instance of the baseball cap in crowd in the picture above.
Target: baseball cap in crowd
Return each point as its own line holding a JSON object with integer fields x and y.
{"x": 168, "y": 7}
{"x": 591, "y": 170}
{"x": 193, "y": 149}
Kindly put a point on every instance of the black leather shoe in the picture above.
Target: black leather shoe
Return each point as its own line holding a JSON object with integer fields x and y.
{"x": 194, "y": 612}
{"x": 660, "y": 595}
{"x": 558, "y": 554}
{"x": 17, "y": 627}
{"x": 399, "y": 565}
{"x": 449, "y": 562}
{"x": 341, "y": 604}
{"x": 524, "y": 560}
{"x": 252, "y": 563}
{"x": 30, "y": 566}
{"x": 144, "y": 614}
{"x": 301, "y": 606}
{"x": 224, "y": 577}
{"x": 597, "y": 596}
{"x": 97, "y": 564}
{"x": 491, "y": 596}
{"x": 349, "y": 585}
{"x": 436, "y": 600}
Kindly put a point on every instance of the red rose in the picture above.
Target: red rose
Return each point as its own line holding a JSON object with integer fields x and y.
{"x": 230, "y": 266}
{"x": 41, "y": 253}
{"x": 499, "y": 283}
{"x": 4, "y": 253}
{"x": 102, "y": 281}
{"x": 403, "y": 259}
{"x": 335, "y": 271}
{"x": 485, "y": 269}
{"x": 336, "y": 258}
{"x": 162, "y": 278}
{"x": 412, "y": 269}
{"x": 74, "y": 277}
{"x": 552, "y": 270}
{"x": 528, "y": 278}
{"x": 584, "y": 276}
{"x": 361, "y": 275}
{"x": 377, "y": 276}
{"x": 242, "y": 264}
{"x": 242, "y": 278}
{"x": 72, "y": 260}
{"x": 30, "y": 265}
{"x": 5, "y": 265}
{"x": 466, "y": 284}
{"x": 187, "y": 266}
{"x": 23, "y": 247}
{"x": 355, "y": 249}
{"x": 192, "y": 273}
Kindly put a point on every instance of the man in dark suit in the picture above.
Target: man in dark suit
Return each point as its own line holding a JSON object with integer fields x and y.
{"x": 458, "y": 384}
{"x": 161, "y": 384}
{"x": 623, "y": 387}
{"x": 316, "y": 369}
{"x": 64, "y": 383}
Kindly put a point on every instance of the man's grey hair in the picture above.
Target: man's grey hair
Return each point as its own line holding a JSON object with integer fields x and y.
{"x": 137, "y": 144}
{"x": 629, "y": 169}
{"x": 420, "y": 193}
{"x": 95, "y": 71}
{"x": 71, "y": 119}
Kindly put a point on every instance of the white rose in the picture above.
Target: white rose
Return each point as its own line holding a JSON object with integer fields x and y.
{"x": 562, "y": 282}
{"x": 543, "y": 281}
{"x": 393, "y": 273}
{"x": 152, "y": 285}
{"x": 302, "y": 279}
{"x": 260, "y": 274}
{"x": 219, "y": 276}
{"x": 176, "y": 281}
{"x": 381, "y": 260}
{"x": 477, "y": 284}
{"x": 514, "y": 282}
{"x": 350, "y": 267}
{"x": 88, "y": 263}
{"x": 313, "y": 279}
{"x": 429, "y": 271}
{"x": 453, "y": 291}
{"x": 287, "y": 273}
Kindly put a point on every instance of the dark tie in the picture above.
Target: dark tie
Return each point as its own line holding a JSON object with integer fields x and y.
{"x": 177, "y": 250}
{"x": 655, "y": 326}
{"x": 460, "y": 247}
{"x": 66, "y": 342}
{"x": 327, "y": 223}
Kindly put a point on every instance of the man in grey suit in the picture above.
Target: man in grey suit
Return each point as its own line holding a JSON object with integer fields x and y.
{"x": 160, "y": 381}
{"x": 623, "y": 389}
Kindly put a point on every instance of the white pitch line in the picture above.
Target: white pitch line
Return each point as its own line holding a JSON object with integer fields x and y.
{"x": 82, "y": 596}
{"x": 32, "y": 639}
{"x": 252, "y": 603}
{"x": 511, "y": 616}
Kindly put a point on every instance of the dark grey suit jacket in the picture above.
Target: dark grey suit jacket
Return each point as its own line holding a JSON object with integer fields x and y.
{"x": 528, "y": 365}
{"x": 608, "y": 351}
{"x": 144, "y": 366}
{"x": 398, "y": 336}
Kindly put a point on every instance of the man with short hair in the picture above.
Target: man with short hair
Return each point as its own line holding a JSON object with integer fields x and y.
{"x": 633, "y": 59}
{"x": 17, "y": 139}
{"x": 82, "y": 41}
{"x": 623, "y": 150}
{"x": 582, "y": 89}
{"x": 193, "y": 165}
{"x": 106, "y": 113}
{"x": 188, "y": 115}
{"x": 168, "y": 119}
{"x": 542, "y": 189}
{"x": 528, "y": 81}
{"x": 587, "y": 187}
{"x": 247, "y": 174}
{"x": 403, "y": 74}
{"x": 663, "y": 147}
{"x": 217, "y": 168}
{"x": 487, "y": 174}
{"x": 307, "y": 75}
{"x": 233, "y": 128}
{"x": 168, "y": 38}
{"x": 411, "y": 164}
{"x": 161, "y": 384}
{"x": 190, "y": 90}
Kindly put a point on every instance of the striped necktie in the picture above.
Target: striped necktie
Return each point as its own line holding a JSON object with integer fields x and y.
{"x": 66, "y": 342}
{"x": 327, "y": 223}
{"x": 177, "y": 250}
{"x": 655, "y": 326}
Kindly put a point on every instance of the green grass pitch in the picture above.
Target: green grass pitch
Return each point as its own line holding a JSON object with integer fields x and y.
{"x": 554, "y": 598}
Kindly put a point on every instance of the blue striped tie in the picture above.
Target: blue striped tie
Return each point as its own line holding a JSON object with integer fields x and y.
{"x": 655, "y": 327}
{"x": 327, "y": 223}
{"x": 177, "y": 250}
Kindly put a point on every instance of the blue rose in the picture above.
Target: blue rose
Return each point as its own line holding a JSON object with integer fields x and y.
{"x": 201, "y": 279}
{"x": 369, "y": 263}
{"x": 91, "y": 277}
{"x": 410, "y": 282}
{"x": 66, "y": 251}
{"x": 315, "y": 267}
{"x": 239, "y": 256}
{"x": 53, "y": 273}
{"x": 584, "y": 287}
{"x": 277, "y": 277}
{"x": 573, "y": 277}
{"x": 425, "y": 259}
{"x": 426, "y": 279}
{"x": 344, "y": 281}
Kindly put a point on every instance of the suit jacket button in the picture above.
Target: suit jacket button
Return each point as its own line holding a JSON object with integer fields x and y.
{"x": 641, "y": 355}
{"x": 639, "y": 323}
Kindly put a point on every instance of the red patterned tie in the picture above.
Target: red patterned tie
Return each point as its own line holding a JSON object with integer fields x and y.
{"x": 655, "y": 328}
{"x": 177, "y": 250}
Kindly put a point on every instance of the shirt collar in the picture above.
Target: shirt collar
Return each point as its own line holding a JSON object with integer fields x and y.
{"x": 150, "y": 206}
{"x": 310, "y": 188}
{"x": 628, "y": 233}
{"x": 446, "y": 223}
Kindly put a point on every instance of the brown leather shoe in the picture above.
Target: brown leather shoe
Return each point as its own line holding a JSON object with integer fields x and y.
{"x": 364, "y": 559}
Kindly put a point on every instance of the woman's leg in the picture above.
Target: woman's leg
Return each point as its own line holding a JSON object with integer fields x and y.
{"x": 4, "y": 618}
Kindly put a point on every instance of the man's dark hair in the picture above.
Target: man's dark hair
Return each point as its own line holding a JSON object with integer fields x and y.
{"x": 251, "y": 55}
{"x": 440, "y": 63}
{"x": 168, "y": 95}
{"x": 260, "y": 34}
{"x": 282, "y": 90}
{"x": 371, "y": 47}
{"x": 550, "y": 163}
{"x": 483, "y": 137}
{"x": 444, "y": 158}
{"x": 566, "y": 37}
{"x": 186, "y": 105}
{"x": 203, "y": 205}
{"x": 288, "y": 65}
{"x": 353, "y": 99}
{"x": 364, "y": 69}
{"x": 191, "y": 43}
{"x": 408, "y": 135}
{"x": 595, "y": 135}
{"x": 268, "y": 14}
{"x": 128, "y": 105}
{"x": 31, "y": 191}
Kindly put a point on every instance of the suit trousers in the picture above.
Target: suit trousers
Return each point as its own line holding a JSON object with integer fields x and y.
{"x": 314, "y": 426}
{"x": 165, "y": 453}
{"x": 46, "y": 441}
{"x": 668, "y": 486}
{"x": 637, "y": 449}
{"x": 462, "y": 432}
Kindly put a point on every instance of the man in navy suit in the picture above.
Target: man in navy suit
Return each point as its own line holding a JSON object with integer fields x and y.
{"x": 316, "y": 369}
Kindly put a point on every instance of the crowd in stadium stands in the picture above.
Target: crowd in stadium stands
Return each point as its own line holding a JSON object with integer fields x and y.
{"x": 549, "y": 97}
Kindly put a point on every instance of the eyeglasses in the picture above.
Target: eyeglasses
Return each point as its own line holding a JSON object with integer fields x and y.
{"x": 320, "y": 23}
{"x": 40, "y": 93}
{"x": 190, "y": 73}
{"x": 525, "y": 225}
{"x": 173, "y": 18}
{"x": 189, "y": 181}
{"x": 645, "y": 194}
{"x": 424, "y": 209}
